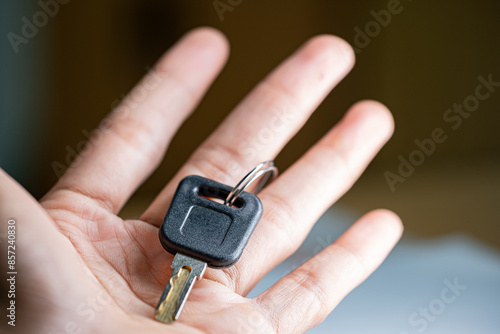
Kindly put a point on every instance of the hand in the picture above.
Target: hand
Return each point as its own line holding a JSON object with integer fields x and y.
{"x": 85, "y": 270}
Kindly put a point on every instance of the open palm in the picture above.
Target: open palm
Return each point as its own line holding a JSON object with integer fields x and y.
{"x": 88, "y": 271}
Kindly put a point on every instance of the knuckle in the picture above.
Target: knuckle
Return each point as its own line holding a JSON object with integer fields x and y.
{"x": 306, "y": 287}
{"x": 223, "y": 163}
{"x": 128, "y": 129}
{"x": 358, "y": 265}
{"x": 65, "y": 197}
{"x": 282, "y": 216}
{"x": 336, "y": 154}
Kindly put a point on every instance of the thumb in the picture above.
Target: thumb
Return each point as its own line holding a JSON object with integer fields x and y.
{"x": 41, "y": 269}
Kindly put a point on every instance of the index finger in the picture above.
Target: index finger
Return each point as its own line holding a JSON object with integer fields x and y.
{"x": 132, "y": 141}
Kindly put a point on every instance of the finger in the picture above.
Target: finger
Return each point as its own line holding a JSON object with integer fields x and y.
{"x": 295, "y": 201}
{"x": 267, "y": 118}
{"x": 131, "y": 142}
{"x": 303, "y": 298}
{"x": 42, "y": 255}
{"x": 18, "y": 207}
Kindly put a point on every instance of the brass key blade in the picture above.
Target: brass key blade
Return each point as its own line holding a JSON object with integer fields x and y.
{"x": 185, "y": 271}
{"x": 165, "y": 312}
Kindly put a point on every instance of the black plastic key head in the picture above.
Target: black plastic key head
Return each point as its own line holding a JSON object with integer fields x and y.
{"x": 207, "y": 230}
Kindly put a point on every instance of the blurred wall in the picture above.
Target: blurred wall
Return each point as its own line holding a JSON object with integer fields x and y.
{"x": 420, "y": 61}
{"x": 24, "y": 103}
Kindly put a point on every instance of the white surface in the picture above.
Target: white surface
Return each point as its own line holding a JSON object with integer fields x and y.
{"x": 412, "y": 277}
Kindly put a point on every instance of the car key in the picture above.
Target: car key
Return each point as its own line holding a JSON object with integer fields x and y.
{"x": 202, "y": 232}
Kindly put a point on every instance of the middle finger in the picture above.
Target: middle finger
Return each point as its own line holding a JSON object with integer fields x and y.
{"x": 266, "y": 119}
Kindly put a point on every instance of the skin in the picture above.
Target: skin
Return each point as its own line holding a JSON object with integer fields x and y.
{"x": 75, "y": 254}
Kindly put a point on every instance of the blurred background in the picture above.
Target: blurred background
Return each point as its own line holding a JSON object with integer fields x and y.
{"x": 63, "y": 71}
{"x": 61, "y": 78}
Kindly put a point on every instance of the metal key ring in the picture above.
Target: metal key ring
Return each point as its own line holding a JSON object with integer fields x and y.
{"x": 265, "y": 169}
